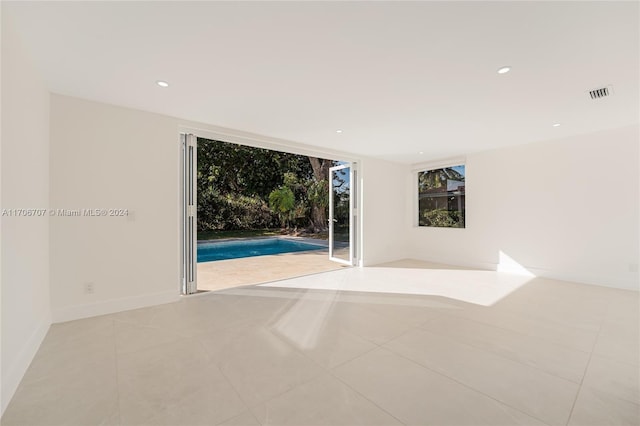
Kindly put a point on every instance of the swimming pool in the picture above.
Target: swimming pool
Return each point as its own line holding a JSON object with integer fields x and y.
{"x": 221, "y": 250}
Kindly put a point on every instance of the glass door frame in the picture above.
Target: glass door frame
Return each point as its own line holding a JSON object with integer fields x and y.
{"x": 352, "y": 213}
{"x": 188, "y": 137}
{"x": 189, "y": 191}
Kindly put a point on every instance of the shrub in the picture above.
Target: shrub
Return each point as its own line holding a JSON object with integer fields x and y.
{"x": 282, "y": 202}
{"x": 234, "y": 212}
{"x": 441, "y": 218}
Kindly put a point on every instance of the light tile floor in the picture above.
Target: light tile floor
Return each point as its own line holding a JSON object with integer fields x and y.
{"x": 407, "y": 343}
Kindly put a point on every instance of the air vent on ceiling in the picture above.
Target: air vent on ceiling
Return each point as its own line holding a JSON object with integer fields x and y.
{"x": 601, "y": 92}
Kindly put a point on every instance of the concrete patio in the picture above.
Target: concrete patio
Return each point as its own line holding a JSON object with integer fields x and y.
{"x": 222, "y": 274}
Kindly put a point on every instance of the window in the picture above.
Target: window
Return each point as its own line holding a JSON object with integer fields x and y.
{"x": 441, "y": 197}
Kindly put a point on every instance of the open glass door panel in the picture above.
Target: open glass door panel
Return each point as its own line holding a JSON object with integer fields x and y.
{"x": 341, "y": 230}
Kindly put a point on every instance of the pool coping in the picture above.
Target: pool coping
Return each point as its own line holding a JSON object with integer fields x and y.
{"x": 315, "y": 241}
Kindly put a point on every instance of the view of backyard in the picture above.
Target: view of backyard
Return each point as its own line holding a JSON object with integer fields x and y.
{"x": 245, "y": 191}
{"x": 249, "y": 197}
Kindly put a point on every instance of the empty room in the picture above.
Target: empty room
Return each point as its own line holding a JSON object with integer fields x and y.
{"x": 464, "y": 175}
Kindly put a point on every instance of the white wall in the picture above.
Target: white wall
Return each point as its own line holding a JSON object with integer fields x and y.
{"x": 104, "y": 156}
{"x": 565, "y": 209}
{"x": 384, "y": 222}
{"x": 111, "y": 157}
{"x": 26, "y": 314}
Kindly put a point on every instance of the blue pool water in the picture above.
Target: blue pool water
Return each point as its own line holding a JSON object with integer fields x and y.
{"x": 236, "y": 249}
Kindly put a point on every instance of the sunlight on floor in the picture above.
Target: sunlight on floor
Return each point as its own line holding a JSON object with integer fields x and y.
{"x": 303, "y": 322}
{"x": 467, "y": 285}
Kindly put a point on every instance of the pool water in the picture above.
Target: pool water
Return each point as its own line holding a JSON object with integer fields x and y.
{"x": 221, "y": 250}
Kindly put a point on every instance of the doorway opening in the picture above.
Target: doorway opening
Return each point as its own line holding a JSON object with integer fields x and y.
{"x": 254, "y": 215}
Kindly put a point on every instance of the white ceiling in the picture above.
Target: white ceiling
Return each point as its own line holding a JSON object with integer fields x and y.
{"x": 396, "y": 77}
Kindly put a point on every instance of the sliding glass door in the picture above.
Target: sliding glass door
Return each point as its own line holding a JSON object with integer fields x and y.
{"x": 189, "y": 213}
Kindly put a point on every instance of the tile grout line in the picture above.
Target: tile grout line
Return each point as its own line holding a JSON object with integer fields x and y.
{"x": 464, "y": 342}
{"x": 329, "y": 371}
{"x": 208, "y": 355}
{"x": 362, "y": 395}
{"x": 115, "y": 353}
{"x": 486, "y": 351}
{"x": 375, "y": 346}
{"x": 586, "y": 368}
{"x": 230, "y": 383}
{"x": 382, "y": 347}
{"x": 553, "y": 323}
{"x": 279, "y": 394}
{"x": 247, "y": 407}
{"x": 461, "y": 383}
{"x": 289, "y": 387}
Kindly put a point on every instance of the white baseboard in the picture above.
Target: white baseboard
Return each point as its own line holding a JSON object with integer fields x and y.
{"x": 484, "y": 266}
{"x": 608, "y": 282}
{"x": 13, "y": 376}
{"x": 70, "y": 313}
{"x": 379, "y": 260}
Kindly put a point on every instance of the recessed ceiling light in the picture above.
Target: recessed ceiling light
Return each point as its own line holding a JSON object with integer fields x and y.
{"x": 556, "y": 125}
{"x": 338, "y": 131}
{"x": 421, "y": 152}
{"x": 504, "y": 70}
{"x": 162, "y": 83}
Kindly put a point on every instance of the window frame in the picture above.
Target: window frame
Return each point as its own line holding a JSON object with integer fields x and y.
{"x": 423, "y": 167}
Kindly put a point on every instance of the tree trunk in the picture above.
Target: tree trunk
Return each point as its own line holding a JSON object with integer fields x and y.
{"x": 318, "y": 210}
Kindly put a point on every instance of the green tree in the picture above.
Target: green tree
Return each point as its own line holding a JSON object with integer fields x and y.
{"x": 319, "y": 193}
{"x": 282, "y": 201}
{"x": 431, "y": 180}
{"x": 235, "y": 182}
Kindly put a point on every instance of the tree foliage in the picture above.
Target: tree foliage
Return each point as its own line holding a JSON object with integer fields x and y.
{"x": 441, "y": 218}
{"x": 436, "y": 179}
{"x": 282, "y": 201}
{"x": 241, "y": 187}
